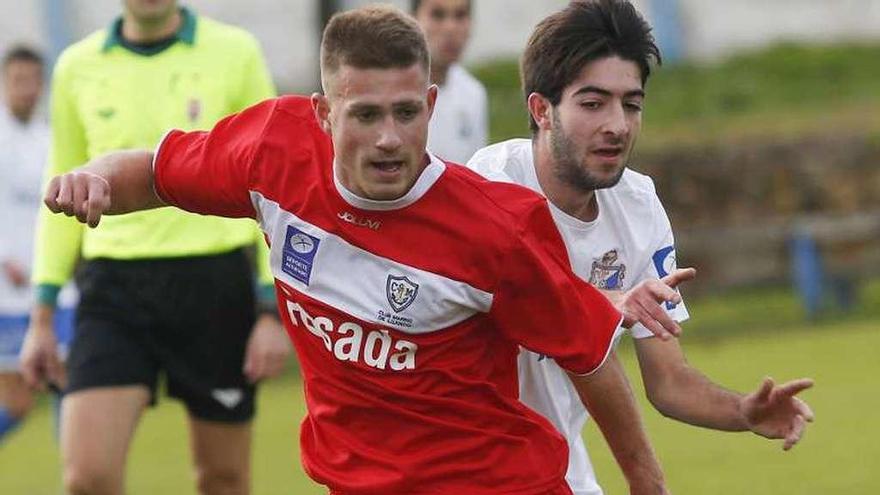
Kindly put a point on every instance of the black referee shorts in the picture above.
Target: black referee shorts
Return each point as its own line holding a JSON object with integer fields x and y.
{"x": 187, "y": 317}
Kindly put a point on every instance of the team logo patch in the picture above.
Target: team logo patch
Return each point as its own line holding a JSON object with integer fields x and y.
{"x": 106, "y": 113}
{"x": 298, "y": 254}
{"x": 664, "y": 263}
{"x": 605, "y": 274}
{"x": 229, "y": 397}
{"x": 194, "y": 109}
{"x": 401, "y": 292}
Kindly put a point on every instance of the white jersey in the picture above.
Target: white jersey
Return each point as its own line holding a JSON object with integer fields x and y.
{"x": 23, "y": 153}
{"x": 459, "y": 125}
{"x": 630, "y": 241}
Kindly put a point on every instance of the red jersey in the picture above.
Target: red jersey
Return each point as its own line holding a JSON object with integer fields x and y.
{"x": 406, "y": 315}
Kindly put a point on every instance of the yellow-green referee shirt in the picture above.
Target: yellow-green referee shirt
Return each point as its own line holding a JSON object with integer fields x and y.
{"x": 108, "y": 95}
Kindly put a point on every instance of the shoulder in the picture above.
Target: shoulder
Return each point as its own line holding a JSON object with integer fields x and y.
{"x": 635, "y": 198}
{"x": 635, "y": 187}
{"x": 88, "y": 48}
{"x": 504, "y": 161}
{"x": 222, "y": 36}
{"x": 292, "y": 115}
{"x": 289, "y": 131}
{"x": 505, "y": 203}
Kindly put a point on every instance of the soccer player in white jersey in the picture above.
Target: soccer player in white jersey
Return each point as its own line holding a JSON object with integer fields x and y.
{"x": 459, "y": 126}
{"x": 584, "y": 72}
{"x": 24, "y": 141}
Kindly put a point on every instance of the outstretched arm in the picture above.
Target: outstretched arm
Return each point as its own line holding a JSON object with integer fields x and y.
{"x": 679, "y": 391}
{"x": 608, "y": 397}
{"x": 116, "y": 183}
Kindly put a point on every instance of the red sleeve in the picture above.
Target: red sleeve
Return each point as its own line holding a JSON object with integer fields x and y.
{"x": 209, "y": 172}
{"x": 543, "y": 306}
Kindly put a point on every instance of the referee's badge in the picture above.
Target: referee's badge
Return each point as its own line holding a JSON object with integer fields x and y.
{"x": 194, "y": 109}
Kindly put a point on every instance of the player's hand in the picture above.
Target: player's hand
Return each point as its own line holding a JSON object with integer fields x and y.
{"x": 40, "y": 364}
{"x": 81, "y": 194}
{"x": 267, "y": 349}
{"x": 644, "y": 303}
{"x": 774, "y": 411}
{"x": 15, "y": 273}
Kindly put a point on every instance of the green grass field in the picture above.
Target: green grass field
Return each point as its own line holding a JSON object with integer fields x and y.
{"x": 837, "y": 456}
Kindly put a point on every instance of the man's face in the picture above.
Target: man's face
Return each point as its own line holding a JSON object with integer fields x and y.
{"x": 595, "y": 125}
{"x": 151, "y": 10}
{"x": 447, "y": 25}
{"x": 378, "y": 119}
{"x": 22, "y": 83}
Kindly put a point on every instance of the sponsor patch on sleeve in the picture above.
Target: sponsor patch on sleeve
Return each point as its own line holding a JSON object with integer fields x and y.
{"x": 664, "y": 263}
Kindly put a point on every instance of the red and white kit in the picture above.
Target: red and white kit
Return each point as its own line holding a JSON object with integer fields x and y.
{"x": 406, "y": 315}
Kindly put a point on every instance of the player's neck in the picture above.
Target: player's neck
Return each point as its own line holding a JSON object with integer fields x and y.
{"x": 22, "y": 116}
{"x": 136, "y": 31}
{"x": 438, "y": 74}
{"x": 573, "y": 201}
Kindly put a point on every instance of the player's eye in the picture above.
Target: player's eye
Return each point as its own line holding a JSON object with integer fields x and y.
{"x": 366, "y": 116}
{"x": 406, "y": 114}
{"x": 634, "y": 106}
{"x": 591, "y": 104}
{"x": 438, "y": 15}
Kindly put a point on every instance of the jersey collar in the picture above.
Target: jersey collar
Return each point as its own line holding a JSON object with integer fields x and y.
{"x": 186, "y": 33}
{"x": 423, "y": 184}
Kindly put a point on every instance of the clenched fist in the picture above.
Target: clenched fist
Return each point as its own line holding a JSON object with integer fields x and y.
{"x": 81, "y": 194}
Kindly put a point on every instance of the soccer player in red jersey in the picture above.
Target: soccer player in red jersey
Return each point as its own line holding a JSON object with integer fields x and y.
{"x": 407, "y": 284}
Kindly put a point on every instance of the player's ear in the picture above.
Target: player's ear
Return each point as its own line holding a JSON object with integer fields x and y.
{"x": 432, "y": 99}
{"x": 539, "y": 109}
{"x": 321, "y": 107}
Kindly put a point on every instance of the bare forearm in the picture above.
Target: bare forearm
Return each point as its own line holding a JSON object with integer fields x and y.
{"x": 608, "y": 397}
{"x": 694, "y": 399}
{"x": 130, "y": 175}
{"x": 682, "y": 392}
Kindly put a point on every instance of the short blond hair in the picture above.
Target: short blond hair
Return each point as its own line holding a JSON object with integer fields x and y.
{"x": 373, "y": 37}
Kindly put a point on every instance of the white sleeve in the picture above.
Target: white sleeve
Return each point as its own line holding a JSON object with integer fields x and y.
{"x": 490, "y": 162}
{"x": 662, "y": 263}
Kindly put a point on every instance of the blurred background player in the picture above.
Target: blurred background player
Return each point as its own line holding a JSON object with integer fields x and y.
{"x": 584, "y": 71}
{"x": 24, "y": 139}
{"x": 459, "y": 126}
{"x": 162, "y": 291}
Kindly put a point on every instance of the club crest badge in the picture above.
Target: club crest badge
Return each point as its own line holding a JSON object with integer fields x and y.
{"x": 194, "y": 109}
{"x": 401, "y": 292}
{"x": 606, "y": 274}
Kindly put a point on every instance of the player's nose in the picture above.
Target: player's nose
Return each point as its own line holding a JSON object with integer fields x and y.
{"x": 389, "y": 138}
{"x": 615, "y": 123}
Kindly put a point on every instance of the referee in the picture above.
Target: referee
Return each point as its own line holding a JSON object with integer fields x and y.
{"x": 162, "y": 292}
